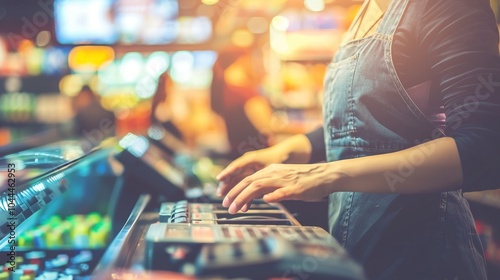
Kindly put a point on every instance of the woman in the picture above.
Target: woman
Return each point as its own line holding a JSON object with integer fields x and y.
{"x": 160, "y": 111}
{"x": 234, "y": 97}
{"x": 411, "y": 119}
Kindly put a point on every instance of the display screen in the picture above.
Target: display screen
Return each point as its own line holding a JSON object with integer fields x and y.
{"x": 149, "y": 22}
{"x": 85, "y": 22}
{"x": 155, "y": 158}
{"x": 158, "y": 160}
{"x": 126, "y": 22}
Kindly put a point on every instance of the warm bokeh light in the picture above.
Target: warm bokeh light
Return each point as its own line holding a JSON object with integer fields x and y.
{"x": 351, "y": 13}
{"x": 34, "y": 60}
{"x": 206, "y": 11}
{"x": 3, "y": 51}
{"x": 314, "y": 5}
{"x": 257, "y": 25}
{"x": 71, "y": 85}
{"x": 43, "y": 38}
{"x": 278, "y": 41}
{"x": 242, "y": 38}
{"x": 280, "y": 23}
{"x": 119, "y": 99}
{"x": 89, "y": 57}
{"x": 25, "y": 45}
{"x": 209, "y": 2}
{"x": 5, "y": 136}
{"x": 268, "y": 6}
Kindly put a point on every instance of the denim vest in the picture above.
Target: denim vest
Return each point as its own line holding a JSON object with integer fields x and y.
{"x": 367, "y": 111}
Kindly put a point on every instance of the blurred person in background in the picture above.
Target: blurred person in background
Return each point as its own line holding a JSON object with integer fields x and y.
{"x": 91, "y": 120}
{"x": 235, "y": 97}
{"x": 161, "y": 113}
{"x": 183, "y": 113}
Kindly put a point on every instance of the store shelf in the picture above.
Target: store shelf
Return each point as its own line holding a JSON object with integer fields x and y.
{"x": 488, "y": 198}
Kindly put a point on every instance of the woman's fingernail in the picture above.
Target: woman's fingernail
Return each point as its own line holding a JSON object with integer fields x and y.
{"x": 244, "y": 208}
{"x": 232, "y": 209}
{"x": 225, "y": 202}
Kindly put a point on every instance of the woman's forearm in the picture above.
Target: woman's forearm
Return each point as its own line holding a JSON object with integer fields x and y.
{"x": 433, "y": 166}
{"x": 296, "y": 148}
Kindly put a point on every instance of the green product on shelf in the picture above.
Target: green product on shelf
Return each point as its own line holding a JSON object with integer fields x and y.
{"x": 97, "y": 239}
{"x": 54, "y": 220}
{"x": 81, "y": 235}
{"x": 75, "y": 219}
{"x": 93, "y": 218}
{"x": 54, "y": 239}
{"x": 65, "y": 229}
{"x": 26, "y": 239}
{"x": 80, "y": 231}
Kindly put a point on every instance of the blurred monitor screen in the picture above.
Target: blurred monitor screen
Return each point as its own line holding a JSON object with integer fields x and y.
{"x": 85, "y": 22}
{"x": 149, "y": 22}
{"x": 141, "y": 22}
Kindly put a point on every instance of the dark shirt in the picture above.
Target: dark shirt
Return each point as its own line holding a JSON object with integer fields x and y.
{"x": 242, "y": 135}
{"x": 453, "y": 44}
{"x": 94, "y": 122}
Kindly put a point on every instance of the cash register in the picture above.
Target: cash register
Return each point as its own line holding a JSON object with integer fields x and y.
{"x": 199, "y": 237}
{"x": 164, "y": 229}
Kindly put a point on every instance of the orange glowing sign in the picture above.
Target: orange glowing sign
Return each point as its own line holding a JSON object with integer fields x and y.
{"x": 90, "y": 57}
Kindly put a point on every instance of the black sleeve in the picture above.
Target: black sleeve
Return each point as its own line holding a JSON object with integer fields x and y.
{"x": 460, "y": 39}
{"x": 317, "y": 139}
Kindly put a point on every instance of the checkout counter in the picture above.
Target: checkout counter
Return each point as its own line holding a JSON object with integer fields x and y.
{"x": 137, "y": 208}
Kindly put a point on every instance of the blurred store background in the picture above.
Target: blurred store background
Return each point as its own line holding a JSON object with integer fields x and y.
{"x": 97, "y": 68}
{"x": 52, "y": 49}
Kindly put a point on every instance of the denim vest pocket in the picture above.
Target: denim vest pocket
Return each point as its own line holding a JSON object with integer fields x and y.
{"x": 337, "y": 100}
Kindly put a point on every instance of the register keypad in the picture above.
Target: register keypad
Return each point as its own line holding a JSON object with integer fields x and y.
{"x": 184, "y": 212}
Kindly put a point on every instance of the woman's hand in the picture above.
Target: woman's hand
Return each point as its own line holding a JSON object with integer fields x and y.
{"x": 246, "y": 165}
{"x": 278, "y": 182}
{"x": 296, "y": 149}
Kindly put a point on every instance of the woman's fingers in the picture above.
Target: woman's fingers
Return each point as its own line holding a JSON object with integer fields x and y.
{"x": 235, "y": 166}
{"x": 255, "y": 189}
{"x": 240, "y": 186}
{"x": 246, "y": 206}
{"x": 232, "y": 168}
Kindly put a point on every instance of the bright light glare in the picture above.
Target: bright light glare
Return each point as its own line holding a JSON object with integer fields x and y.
{"x": 131, "y": 67}
{"x": 209, "y": 2}
{"x": 314, "y": 5}
{"x": 280, "y": 23}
